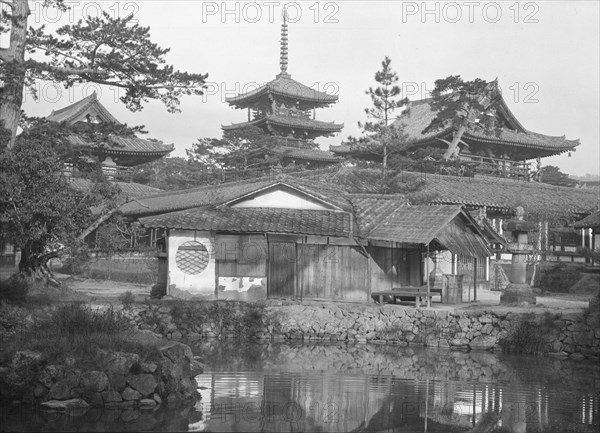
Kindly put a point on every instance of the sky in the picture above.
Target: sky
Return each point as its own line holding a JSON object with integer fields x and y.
{"x": 545, "y": 55}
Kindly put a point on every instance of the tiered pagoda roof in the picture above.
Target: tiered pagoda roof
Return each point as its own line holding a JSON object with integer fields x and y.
{"x": 282, "y": 106}
{"x": 126, "y": 151}
{"x": 284, "y": 87}
{"x": 514, "y": 140}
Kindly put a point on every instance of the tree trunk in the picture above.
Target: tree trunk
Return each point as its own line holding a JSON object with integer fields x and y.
{"x": 453, "y": 146}
{"x": 96, "y": 224}
{"x": 34, "y": 267}
{"x": 384, "y": 162}
{"x": 13, "y": 61}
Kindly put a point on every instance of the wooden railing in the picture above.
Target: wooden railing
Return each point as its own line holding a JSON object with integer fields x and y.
{"x": 114, "y": 173}
{"x": 499, "y": 167}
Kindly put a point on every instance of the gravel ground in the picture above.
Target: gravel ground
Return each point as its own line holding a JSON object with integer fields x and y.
{"x": 99, "y": 290}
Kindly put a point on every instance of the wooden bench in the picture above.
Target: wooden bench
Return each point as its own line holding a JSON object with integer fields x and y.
{"x": 417, "y": 294}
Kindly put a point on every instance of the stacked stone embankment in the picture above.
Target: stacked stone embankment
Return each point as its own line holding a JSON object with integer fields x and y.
{"x": 567, "y": 335}
{"x": 120, "y": 380}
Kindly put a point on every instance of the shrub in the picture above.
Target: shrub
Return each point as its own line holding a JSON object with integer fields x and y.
{"x": 127, "y": 299}
{"x": 529, "y": 335}
{"x": 158, "y": 291}
{"x": 12, "y": 319}
{"x": 79, "y": 331}
{"x": 15, "y": 289}
{"x": 76, "y": 319}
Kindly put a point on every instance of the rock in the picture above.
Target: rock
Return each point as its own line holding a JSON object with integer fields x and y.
{"x": 117, "y": 381}
{"x": 40, "y": 391}
{"x": 147, "y": 403}
{"x": 157, "y": 398}
{"x": 26, "y": 359}
{"x": 95, "y": 399}
{"x": 130, "y": 394}
{"x": 94, "y": 381}
{"x": 74, "y": 406}
{"x": 173, "y": 351}
{"x": 121, "y": 363}
{"x": 111, "y": 396}
{"x": 144, "y": 383}
{"x": 73, "y": 377}
{"x": 459, "y": 342}
{"x": 148, "y": 367}
{"x": 196, "y": 367}
{"x": 50, "y": 374}
{"x": 60, "y": 391}
{"x": 482, "y": 342}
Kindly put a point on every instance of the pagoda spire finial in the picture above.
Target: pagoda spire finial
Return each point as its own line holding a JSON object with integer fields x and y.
{"x": 283, "y": 56}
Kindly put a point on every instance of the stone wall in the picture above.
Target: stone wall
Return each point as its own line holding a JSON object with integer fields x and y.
{"x": 120, "y": 380}
{"x": 573, "y": 335}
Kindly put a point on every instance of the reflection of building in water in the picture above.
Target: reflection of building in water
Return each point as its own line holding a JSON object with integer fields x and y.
{"x": 316, "y": 400}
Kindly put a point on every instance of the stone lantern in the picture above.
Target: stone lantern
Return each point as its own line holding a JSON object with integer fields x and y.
{"x": 518, "y": 292}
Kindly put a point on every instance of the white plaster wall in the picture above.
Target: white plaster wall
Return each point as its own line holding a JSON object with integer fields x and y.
{"x": 281, "y": 199}
{"x": 202, "y": 284}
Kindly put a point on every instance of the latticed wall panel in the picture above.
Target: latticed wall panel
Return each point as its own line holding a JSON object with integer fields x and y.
{"x": 192, "y": 257}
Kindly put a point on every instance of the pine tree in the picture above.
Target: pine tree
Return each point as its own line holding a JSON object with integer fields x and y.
{"x": 465, "y": 106}
{"x": 105, "y": 50}
{"x": 382, "y": 137}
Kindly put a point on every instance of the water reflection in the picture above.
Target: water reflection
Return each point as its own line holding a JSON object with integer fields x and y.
{"x": 343, "y": 388}
{"x": 359, "y": 388}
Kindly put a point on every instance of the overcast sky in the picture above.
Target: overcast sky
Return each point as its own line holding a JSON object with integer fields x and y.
{"x": 545, "y": 55}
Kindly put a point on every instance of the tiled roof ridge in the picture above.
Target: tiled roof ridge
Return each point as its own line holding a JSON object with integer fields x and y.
{"x": 82, "y": 105}
{"x": 382, "y": 196}
{"x": 458, "y": 209}
{"x": 83, "y": 101}
{"x": 285, "y": 81}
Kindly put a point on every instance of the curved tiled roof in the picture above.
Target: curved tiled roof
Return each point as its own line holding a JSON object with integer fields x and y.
{"x": 129, "y": 145}
{"x": 589, "y": 222}
{"x": 118, "y": 145}
{"x": 503, "y": 194}
{"x": 493, "y": 192}
{"x": 292, "y": 122}
{"x": 249, "y": 220}
{"x": 214, "y": 195}
{"x": 76, "y": 111}
{"x": 420, "y": 116}
{"x": 287, "y": 87}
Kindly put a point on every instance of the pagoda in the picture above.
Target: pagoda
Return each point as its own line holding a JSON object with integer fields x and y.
{"x": 285, "y": 108}
{"x": 506, "y": 154}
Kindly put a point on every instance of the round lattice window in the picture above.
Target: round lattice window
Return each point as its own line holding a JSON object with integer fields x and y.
{"x": 192, "y": 257}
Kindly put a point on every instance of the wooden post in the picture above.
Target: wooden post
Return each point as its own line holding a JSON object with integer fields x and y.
{"x": 474, "y": 279}
{"x": 427, "y": 277}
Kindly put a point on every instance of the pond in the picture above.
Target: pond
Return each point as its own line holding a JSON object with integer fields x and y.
{"x": 341, "y": 387}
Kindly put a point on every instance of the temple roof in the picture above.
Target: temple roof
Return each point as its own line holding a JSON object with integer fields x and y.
{"x": 304, "y": 153}
{"x": 283, "y": 86}
{"x": 291, "y": 122}
{"x": 420, "y": 116}
{"x": 590, "y": 221}
{"x": 80, "y": 109}
{"x": 125, "y": 146}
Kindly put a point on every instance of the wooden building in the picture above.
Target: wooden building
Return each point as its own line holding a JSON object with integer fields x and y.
{"x": 590, "y": 233}
{"x": 286, "y": 109}
{"x": 294, "y": 238}
{"x": 507, "y": 155}
{"x": 117, "y": 154}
